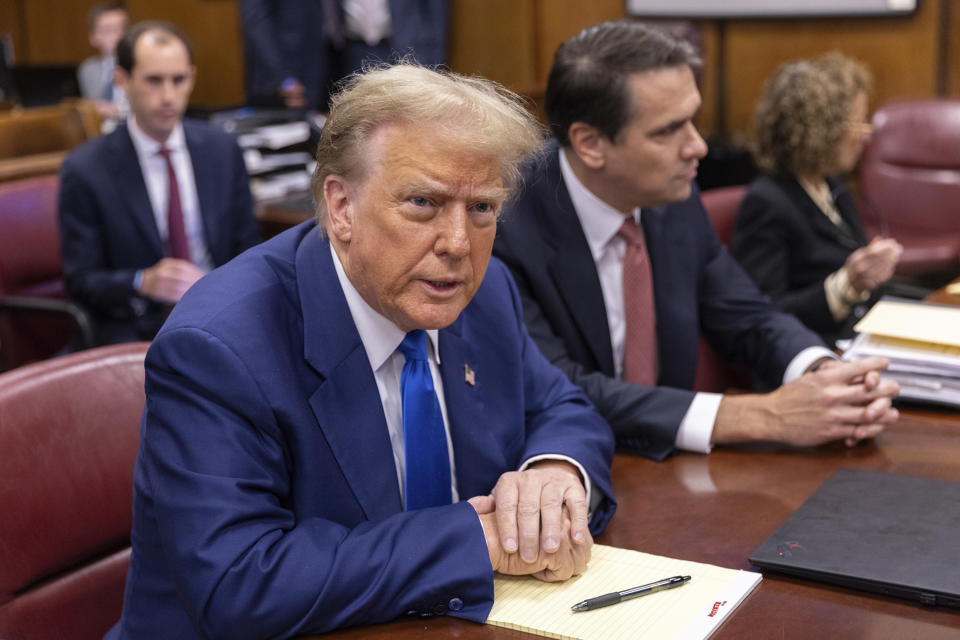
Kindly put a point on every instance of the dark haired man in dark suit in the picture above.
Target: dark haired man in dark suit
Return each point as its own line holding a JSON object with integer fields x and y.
{"x": 148, "y": 209}
{"x": 621, "y": 272}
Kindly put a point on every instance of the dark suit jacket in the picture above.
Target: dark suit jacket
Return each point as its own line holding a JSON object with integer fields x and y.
{"x": 698, "y": 289}
{"x": 108, "y": 230}
{"x": 266, "y": 501}
{"x": 296, "y": 38}
{"x": 284, "y": 39}
{"x": 789, "y": 247}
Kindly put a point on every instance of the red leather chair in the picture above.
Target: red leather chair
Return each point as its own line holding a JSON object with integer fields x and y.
{"x": 722, "y": 205}
{"x": 910, "y": 183}
{"x": 713, "y": 374}
{"x": 69, "y": 433}
{"x": 36, "y": 319}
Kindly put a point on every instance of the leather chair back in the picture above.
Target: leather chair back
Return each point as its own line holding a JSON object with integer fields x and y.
{"x": 30, "y": 243}
{"x": 722, "y": 205}
{"x": 713, "y": 374}
{"x": 69, "y": 436}
{"x": 36, "y": 320}
{"x": 910, "y": 182}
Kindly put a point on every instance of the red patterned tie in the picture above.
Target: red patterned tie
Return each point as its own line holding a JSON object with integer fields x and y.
{"x": 640, "y": 350}
{"x": 176, "y": 232}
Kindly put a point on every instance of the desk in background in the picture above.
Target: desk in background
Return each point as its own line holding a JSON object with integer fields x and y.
{"x": 280, "y": 214}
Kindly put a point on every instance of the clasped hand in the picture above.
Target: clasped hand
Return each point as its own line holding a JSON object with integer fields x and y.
{"x": 535, "y": 522}
{"x": 870, "y": 266}
{"x": 841, "y": 400}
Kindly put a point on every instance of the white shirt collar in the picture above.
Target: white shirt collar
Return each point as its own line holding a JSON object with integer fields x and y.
{"x": 380, "y": 336}
{"x": 599, "y": 220}
{"x": 147, "y": 147}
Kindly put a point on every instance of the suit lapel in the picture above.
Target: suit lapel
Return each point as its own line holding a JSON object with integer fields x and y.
{"x": 571, "y": 265}
{"x": 847, "y": 210}
{"x": 205, "y": 177}
{"x": 128, "y": 178}
{"x": 819, "y": 222}
{"x": 346, "y": 404}
{"x": 475, "y": 450}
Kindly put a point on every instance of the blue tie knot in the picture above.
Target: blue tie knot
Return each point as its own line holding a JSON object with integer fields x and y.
{"x": 414, "y": 345}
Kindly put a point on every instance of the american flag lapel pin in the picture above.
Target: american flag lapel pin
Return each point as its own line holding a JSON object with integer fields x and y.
{"x": 469, "y": 376}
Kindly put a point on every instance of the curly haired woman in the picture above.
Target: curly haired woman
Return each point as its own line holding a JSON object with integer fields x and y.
{"x": 798, "y": 233}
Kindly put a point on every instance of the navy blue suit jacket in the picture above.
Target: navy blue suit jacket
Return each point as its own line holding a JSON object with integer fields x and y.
{"x": 266, "y": 500}
{"x": 108, "y": 230}
{"x": 698, "y": 289}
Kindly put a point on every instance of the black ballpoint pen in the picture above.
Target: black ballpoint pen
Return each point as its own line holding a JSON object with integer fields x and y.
{"x": 636, "y": 592}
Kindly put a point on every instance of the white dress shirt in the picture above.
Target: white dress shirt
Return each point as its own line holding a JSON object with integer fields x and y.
{"x": 381, "y": 338}
{"x": 155, "y": 176}
{"x": 367, "y": 20}
{"x": 600, "y": 224}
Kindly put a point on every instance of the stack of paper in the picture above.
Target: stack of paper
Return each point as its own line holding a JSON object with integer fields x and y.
{"x": 922, "y": 342}
{"x": 691, "y": 611}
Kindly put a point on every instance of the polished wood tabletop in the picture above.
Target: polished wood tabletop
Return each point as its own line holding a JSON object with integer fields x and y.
{"x": 719, "y": 508}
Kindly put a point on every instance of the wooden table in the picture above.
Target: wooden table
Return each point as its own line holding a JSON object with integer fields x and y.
{"x": 719, "y": 508}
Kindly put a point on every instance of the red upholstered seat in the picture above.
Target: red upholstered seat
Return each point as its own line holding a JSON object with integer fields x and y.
{"x": 910, "y": 183}
{"x": 713, "y": 374}
{"x": 69, "y": 433}
{"x": 722, "y": 205}
{"x": 36, "y": 320}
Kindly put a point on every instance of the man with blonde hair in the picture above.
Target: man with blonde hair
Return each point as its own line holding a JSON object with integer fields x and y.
{"x": 317, "y": 409}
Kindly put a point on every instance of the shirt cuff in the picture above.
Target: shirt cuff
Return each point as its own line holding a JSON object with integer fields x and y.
{"x": 592, "y": 501}
{"x": 696, "y": 428}
{"x": 802, "y": 361}
{"x": 833, "y": 288}
{"x": 137, "y": 280}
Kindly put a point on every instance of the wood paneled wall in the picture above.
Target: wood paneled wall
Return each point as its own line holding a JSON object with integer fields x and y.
{"x": 902, "y": 54}
{"x": 513, "y": 41}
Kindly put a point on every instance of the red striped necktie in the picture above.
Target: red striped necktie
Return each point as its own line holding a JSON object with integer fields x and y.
{"x": 179, "y": 246}
{"x": 640, "y": 348}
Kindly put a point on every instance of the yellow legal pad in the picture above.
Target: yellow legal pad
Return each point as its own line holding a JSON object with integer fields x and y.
{"x": 692, "y": 611}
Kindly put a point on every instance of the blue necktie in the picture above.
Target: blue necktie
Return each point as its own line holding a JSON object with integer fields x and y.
{"x": 427, "y": 466}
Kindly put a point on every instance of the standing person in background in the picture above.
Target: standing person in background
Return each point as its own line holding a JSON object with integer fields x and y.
{"x": 296, "y": 50}
{"x": 146, "y": 210}
{"x": 798, "y": 233}
{"x": 287, "y": 63}
{"x": 106, "y": 23}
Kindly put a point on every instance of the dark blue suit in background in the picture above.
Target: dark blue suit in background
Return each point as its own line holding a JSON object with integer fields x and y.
{"x": 698, "y": 288}
{"x": 266, "y": 497}
{"x": 304, "y": 39}
{"x": 108, "y": 230}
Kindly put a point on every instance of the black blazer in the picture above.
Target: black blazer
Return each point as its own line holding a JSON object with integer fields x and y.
{"x": 788, "y": 246}
{"x": 108, "y": 231}
{"x": 698, "y": 289}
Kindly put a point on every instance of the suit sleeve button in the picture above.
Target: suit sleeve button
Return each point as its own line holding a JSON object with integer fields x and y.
{"x": 440, "y": 609}
{"x": 455, "y": 604}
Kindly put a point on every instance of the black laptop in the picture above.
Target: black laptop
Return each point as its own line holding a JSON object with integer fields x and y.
{"x": 881, "y": 532}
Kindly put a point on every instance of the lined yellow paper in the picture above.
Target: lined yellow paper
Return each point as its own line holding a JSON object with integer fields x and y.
{"x": 693, "y": 610}
{"x": 913, "y": 321}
